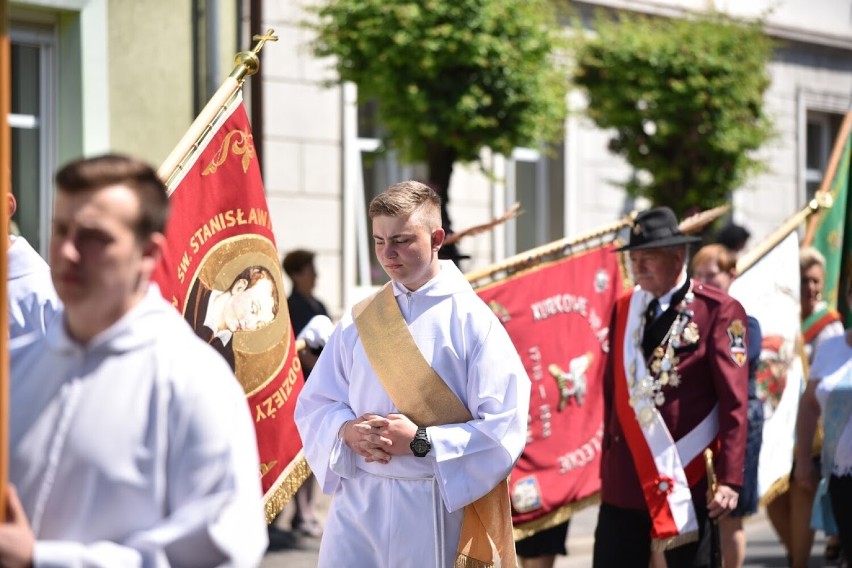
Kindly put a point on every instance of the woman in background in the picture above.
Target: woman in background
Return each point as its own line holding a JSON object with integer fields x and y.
{"x": 829, "y": 394}
{"x": 790, "y": 511}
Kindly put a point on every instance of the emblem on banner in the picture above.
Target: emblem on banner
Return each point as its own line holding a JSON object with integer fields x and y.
{"x": 242, "y": 146}
{"x": 601, "y": 281}
{"x": 572, "y": 383}
{"x": 776, "y": 357}
{"x": 233, "y": 304}
{"x": 500, "y": 311}
{"x": 526, "y": 495}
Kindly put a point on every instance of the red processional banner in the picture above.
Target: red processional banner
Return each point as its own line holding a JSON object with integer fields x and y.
{"x": 220, "y": 269}
{"x": 558, "y": 316}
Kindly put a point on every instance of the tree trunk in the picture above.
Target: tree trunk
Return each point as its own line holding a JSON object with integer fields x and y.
{"x": 440, "y": 160}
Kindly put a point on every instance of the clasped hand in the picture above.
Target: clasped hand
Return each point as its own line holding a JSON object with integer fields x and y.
{"x": 377, "y": 438}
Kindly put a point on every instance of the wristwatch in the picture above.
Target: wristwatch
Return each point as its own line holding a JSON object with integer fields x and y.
{"x": 420, "y": 445}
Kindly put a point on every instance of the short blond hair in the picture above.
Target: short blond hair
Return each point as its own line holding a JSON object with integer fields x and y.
{"x": 405, "y": 198}
{"x": 808, "y": 257}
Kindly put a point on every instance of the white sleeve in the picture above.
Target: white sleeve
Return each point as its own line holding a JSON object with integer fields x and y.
{"x": 323, "y": 406}
{"x": 473, "y": 457}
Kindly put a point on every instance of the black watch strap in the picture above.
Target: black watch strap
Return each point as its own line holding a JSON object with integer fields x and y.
{"x": 420, "y": 445}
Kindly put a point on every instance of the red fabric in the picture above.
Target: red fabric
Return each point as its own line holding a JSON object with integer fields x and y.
{"x": 662, "y": 520}
{"x": 557, "y": 313}
{"x": 219, "y": 225}
{"x": 813, "y": 330}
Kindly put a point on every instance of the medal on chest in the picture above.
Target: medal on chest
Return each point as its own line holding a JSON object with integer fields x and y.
{"x": 646, "y": 383}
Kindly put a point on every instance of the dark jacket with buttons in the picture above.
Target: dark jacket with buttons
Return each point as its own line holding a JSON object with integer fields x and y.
{"x": 711, "y": 372}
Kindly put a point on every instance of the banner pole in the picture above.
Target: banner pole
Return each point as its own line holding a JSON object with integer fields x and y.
{"x": 245, "y": 63}
{"x": 749, "y": 259}
{"x": 831, "y": 170}
{"x": 691, "y": 224}
{"x": 5, "y": 189}
{"x": 532, "y": 255}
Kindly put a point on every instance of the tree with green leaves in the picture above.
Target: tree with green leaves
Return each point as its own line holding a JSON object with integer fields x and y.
{"x": 685, "y": 99}
{"x": 451, "y": 76}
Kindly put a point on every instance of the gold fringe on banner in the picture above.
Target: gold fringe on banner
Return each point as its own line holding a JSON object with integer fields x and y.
{"x": 290, "y": 482}
{"x": 674, "y": 542}
{"x": 556, "y": 517}
{"x": 779, "y": 487}
{"x": 468, "y": 562}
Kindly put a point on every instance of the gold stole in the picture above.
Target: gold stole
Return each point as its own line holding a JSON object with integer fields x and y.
{"x": 420, "y": 394}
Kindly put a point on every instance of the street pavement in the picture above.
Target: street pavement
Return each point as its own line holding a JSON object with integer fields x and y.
{"x": 289, "y": 550}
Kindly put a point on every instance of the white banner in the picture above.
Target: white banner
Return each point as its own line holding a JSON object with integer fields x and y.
{"x": 769, "y": 291}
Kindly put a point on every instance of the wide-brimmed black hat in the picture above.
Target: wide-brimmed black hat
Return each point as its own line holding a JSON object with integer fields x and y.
{"x": 655, "y": 228}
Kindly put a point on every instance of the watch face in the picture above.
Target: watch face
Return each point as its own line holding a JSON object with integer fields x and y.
{"x": 420, "y": 446}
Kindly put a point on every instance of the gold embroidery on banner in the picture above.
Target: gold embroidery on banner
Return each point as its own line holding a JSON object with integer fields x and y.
{"x": 242, "y": 146}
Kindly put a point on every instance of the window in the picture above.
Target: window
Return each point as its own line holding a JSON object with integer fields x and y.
{"x": 536, "y": 181}
{"x": 821, "y": 130}
{"x": 32, "y": 121}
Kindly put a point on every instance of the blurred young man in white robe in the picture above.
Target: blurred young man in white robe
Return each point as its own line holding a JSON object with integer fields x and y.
{"x": 131, "y": 443}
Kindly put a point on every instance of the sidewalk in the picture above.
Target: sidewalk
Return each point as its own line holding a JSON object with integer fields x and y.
{"x": 288, "y": 550}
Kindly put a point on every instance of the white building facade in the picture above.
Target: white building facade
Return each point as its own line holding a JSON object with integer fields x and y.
{"x": 314, "y": 152}
{"x": 122, "y": 75}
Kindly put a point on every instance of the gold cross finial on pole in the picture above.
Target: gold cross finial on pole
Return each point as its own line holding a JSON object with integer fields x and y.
{"x": 261, "y": 39}
{"x": 248, "y": 62}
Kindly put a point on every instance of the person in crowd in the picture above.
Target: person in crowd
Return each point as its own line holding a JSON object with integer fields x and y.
{"x": 249, "y": 303}
{"x": 713, "y": 265}
{"x": 541, "y": 549}
{"x": 29, "y": 291}
{"x": 675, "y": 382}
{"x": 819, "y": 321}
{"x": 829, "y": 394}
{"x": 417, "y": 409}
{"x": 131, "y": 443}
{"x": 733, "y": 237}
{"x": 304, "y": 306}
{"x": 299, "y": 266}
{"x": 790, "y": 511}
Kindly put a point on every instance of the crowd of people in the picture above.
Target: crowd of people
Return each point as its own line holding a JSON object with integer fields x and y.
{"x": 131, "y": 443}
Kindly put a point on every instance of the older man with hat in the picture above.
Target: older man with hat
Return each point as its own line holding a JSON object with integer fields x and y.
{"x": 675, "y": 385}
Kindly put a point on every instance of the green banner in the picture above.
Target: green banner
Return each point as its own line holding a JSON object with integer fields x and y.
{"x": 834, "y": 241}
